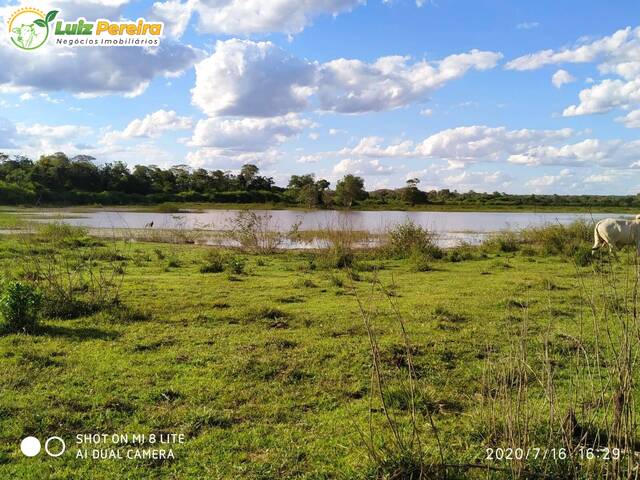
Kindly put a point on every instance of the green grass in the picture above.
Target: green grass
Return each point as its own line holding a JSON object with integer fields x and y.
{"x": 9, "y": 220}
{"x": 267, "y": 372}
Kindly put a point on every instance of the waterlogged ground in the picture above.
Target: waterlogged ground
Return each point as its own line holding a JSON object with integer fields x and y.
{"x": 451, "y": 227}
{"x": 267, "y": 373}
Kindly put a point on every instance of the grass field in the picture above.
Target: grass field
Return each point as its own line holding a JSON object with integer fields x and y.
{"x": 266, "y": 367}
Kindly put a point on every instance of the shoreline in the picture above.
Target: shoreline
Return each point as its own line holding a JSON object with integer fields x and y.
{"x": 197, "y": 207}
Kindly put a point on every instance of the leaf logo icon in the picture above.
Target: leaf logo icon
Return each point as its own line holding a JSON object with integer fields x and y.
{"x": 29, "y": 27}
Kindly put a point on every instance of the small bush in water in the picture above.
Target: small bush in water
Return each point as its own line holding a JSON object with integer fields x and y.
{"x": 20, "y": 306}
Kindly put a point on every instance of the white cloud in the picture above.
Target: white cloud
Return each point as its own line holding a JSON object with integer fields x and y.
{"x": 631, "y": 119}
{"x": 353, "y": 86}
{"x": 253, "y": 79}
{"x": 361, "y": 167}
{"x": 587, "y": 52}
{"x": 236, "y": 136}
{"x": 310, "y": 159}
{"x": 426, "y": 112}
{"x": 258, "y": 16}
{"x": 37, "y": 138}
{"x": 435, "y": 177}
{"x": 246, "y": 17}
{"x": 562, "y": 77}
{"x": 543, "y": 181}
{"x": 175, "y": 15}
{"x": 52, "y": 132}
{"x": 260, "y": 79}
{"x": 605, "y": 96}
{"x": 217, "y": 158}
{"x": 371, "y": 147}
{"x": 8, "y": 134}
{"x": 89, "y": 71}
{"x": 478, "y": 181}
{"x": 92, "y": 71}
{"x": 142, "y": 152}
{"x": 550, "y": 180}
{"x": 151, "y": 126}
{"x": 588, "y": 152}
{"x": 527, "y": 25}
{"x": 601, "y": 178}
{"x": 481, "y": 143}
{"x": 617, "y": 54}
{"x": 464, "y": 146}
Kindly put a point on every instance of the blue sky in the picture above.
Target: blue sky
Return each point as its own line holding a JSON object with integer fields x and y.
{"x": 515, "y": 96}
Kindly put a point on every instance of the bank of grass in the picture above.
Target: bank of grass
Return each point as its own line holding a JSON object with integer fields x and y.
{"x": 266, "y": 369}
{"x": 9, "y": 220}
{"x": 182, "y": 207}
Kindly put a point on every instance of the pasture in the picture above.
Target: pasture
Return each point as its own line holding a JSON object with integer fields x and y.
{"x": 324, "y": 364}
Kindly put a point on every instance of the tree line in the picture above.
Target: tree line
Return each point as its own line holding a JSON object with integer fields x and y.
{"x": 58, "y": 179}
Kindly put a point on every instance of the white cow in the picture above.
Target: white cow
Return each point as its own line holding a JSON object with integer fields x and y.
{"x": 616, "y": 233}
{"x": 26, "y": 34}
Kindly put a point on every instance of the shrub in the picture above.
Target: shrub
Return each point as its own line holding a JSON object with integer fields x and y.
{"x": 236, "y": 265}
{"x": 343, "y": 258}
{"x": 213, "y": 262}
{"x": 20, "y": 306}
{"x": 258, "y": 233}
{"x": 443, "y": 314}
{"x": 559, "y": 239}
{"x": 460, "y": 254}
{"x": 76, "y": 274}
{"x": 342, "y": 241}
{"x": 174, "y": 263}
{"x": 266, "y": 312}
{"x": 73, "y": 307}
{"x": 61, "y": 234}
{"x": 304, "y": 283}
{"x": 583, "y": 255}
{"x": 407, "y": 238}
{"x": 420, "y": 263}
{"x": 505, "y": 241}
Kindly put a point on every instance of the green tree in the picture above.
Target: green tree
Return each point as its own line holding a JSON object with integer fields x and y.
{"x": 248, "y": 174}
{"x": 349, "y": 190}
{"x": 411, "y": 194}
{"x": 306, "y": 190}
{"x": 303, "y": 189}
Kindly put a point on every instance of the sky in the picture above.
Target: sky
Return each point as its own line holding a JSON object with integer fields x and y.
{"x": 486, "y": 95}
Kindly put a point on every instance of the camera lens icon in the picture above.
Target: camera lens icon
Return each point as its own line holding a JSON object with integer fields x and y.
{"x": 31, "y": 446}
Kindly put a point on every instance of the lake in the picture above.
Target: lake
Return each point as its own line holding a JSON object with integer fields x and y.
{"x": 452, "y": 227}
